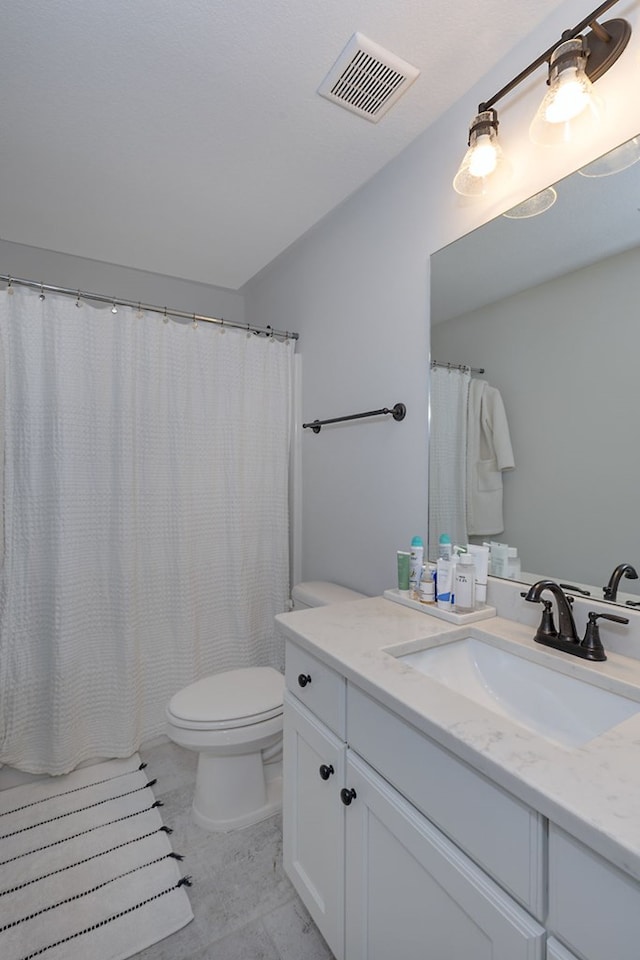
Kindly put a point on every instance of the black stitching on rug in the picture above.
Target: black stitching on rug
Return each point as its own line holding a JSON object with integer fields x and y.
{"x": 70, "y": 813}
{"x": 102, "y": 853}
{"x": 73, "y": 836}
{"x": 87, "y": 786}
{"x": 102, "y": 923}
{"x": 85, "y": 893}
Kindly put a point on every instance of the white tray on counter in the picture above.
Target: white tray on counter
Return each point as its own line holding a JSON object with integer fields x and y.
{"x": 482, "y": 613}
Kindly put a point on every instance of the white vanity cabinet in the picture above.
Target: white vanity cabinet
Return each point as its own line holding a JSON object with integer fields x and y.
{"x": 411, "y": 893}
{"x": 377, "y": 876}
{"x": 594, "y": 908}
{"x": 314, "y": 762}
{"x": 555, "y": 951}
{"x": 313, "y": 819}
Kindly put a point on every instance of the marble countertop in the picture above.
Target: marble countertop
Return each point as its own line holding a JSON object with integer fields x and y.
{"x": 591, "y": 791}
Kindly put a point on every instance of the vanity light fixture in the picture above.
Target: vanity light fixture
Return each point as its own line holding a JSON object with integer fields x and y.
{"x": 484, "y": 161}
{"x": 569, "y": 102}
{"x": 568, "y": 109}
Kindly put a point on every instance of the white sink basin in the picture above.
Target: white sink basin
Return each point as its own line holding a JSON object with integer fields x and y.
{"x": 562, "y": 709}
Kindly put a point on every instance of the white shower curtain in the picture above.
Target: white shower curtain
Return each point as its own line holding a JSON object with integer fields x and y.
{"x": 146, "y": 520}
{"x": 448, "y": 399}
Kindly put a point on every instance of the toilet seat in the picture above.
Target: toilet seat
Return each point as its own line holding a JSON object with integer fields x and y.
{"x": 223, "y": 701}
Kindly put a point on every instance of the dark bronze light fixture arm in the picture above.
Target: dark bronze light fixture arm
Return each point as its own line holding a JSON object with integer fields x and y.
{"x": 601, "y": 58}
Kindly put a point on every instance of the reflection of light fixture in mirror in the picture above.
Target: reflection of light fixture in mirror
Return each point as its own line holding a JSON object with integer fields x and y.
{"x": 533, "y": 206}
{"x": 484, "y": 161}
{"x": 569, "y": 108}
{"x": 615, "y": 161}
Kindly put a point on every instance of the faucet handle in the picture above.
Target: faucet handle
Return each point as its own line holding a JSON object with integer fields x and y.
{"x": 592, "y": 642}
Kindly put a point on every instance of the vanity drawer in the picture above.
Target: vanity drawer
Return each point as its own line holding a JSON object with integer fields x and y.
{"x": 319, "y": 687}
{"x": 594, "y": 907}
{"x": 502, "y": 834}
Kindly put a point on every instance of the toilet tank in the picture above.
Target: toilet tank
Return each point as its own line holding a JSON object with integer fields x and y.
{"x": 319, "y": 593}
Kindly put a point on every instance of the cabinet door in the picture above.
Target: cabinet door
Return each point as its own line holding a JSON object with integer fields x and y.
{"x": 313, "y": 819}
{"x": 593, "y": 906}
{"x": 412, "y": 894}
{"x": 555, "y": 951}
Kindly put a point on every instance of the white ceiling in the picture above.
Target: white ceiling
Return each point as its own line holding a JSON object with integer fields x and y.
{"x": 187, "y": 138}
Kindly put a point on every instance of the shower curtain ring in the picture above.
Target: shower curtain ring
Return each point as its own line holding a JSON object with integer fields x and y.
{"x": 78, "y": 303}
{"x": 139, "y": 311}
{"x": 194, "y": 325}
{"x": 165, "y": 319}
{"x": 42, "y": 296}
{"x": 222, "y": 329}
{"x": 10, "y": 287}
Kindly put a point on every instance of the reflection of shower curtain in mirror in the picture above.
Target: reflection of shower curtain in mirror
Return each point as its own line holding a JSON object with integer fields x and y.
{"x": 447, "y": 456}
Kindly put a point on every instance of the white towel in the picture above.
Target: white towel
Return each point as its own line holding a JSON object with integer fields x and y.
{"x": 489, "y": 453}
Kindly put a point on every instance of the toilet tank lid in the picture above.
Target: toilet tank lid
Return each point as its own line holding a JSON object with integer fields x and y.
{"x": 230, "y": 695}
{"x": 319, "y": 593}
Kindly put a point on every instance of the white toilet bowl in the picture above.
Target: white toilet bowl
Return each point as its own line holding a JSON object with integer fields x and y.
{"x": 234, "y": 721}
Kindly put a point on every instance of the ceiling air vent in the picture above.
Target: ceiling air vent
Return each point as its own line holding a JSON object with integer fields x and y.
{"x": 367, "y": 79}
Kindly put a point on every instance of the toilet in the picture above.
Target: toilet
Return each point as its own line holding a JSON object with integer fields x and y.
{"x": 233, "y": 720}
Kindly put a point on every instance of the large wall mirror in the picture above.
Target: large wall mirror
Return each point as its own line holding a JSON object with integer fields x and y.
{"x": 549, "y": 307}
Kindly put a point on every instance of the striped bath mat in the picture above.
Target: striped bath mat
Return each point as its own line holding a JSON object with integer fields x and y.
{"x": 86, "y": 867}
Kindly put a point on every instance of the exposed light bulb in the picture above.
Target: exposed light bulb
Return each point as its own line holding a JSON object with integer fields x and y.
{"x": 484, "y": 161}
{"x": 484, "y": 157}
{"x": 569, "y": 108}
{"x": 569, "y": 98}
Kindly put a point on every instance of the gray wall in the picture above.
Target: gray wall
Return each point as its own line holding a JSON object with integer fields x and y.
{"x": 564, "y": 356}
{"x": 357, "y": 289}
{"x": 62, "y": 270}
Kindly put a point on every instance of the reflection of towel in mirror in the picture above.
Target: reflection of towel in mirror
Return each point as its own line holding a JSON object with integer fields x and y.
{"x": 488, "y": 454}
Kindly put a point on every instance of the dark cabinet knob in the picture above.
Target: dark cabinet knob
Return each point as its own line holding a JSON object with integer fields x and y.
{"x": 326, "y": 771}
{"x": 304, "y": 679}
{"x": 347, "y": 796}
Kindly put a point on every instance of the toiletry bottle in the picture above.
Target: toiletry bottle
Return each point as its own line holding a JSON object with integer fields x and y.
{"x": 499, "y": 559}
{"x": 513, "y": 564}
{"x": 427, "y": 592}
{"x": 403, "y": 571}
{"x": 444, "y": 547}
{"x": 480, "y": 556}
{"x": 444, "y": 584}
{"x": 416, "y": 564}
{"x": 465, "y": 583}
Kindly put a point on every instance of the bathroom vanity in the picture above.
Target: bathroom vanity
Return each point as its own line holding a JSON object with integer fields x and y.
{"x": 419, "y": 821}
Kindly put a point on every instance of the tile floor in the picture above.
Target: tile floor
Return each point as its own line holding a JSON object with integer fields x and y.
{"x": 244, "y": 906}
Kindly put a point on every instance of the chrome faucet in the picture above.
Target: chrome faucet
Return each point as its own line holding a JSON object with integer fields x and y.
{"x": 566, "y": 637}
{"x": 622, "y": 570}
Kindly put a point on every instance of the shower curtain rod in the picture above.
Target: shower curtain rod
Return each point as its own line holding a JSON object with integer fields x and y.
{"x": 81, "y": 295}
{"x": 457, "y": 366}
